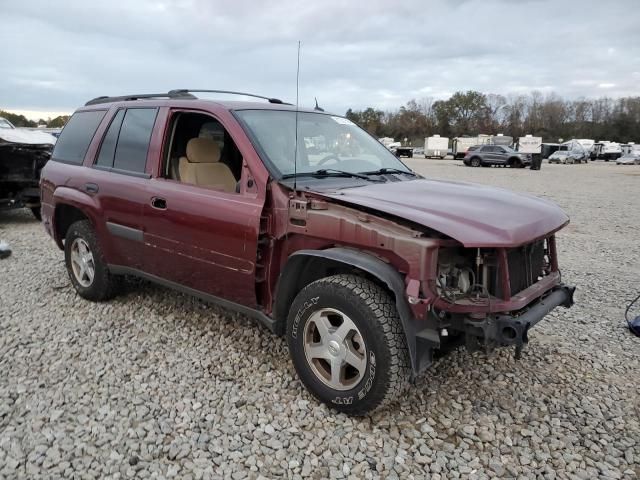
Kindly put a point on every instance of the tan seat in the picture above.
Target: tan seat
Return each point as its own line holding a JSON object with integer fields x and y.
{"x": 202, "y": 166}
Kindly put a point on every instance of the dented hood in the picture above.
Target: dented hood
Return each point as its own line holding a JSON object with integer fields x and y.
{"x": 474, "y": 215}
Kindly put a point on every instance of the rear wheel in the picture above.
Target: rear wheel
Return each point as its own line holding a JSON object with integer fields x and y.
{"x": 86, "y": 265}
{"x": 475, "y": 162}
{"x": 347, "y": 343}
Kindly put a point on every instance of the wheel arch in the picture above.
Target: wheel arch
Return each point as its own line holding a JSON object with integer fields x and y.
{"x": 306, "y": 266}
{"x": 64, "y": 216}
{"x": 70, "y": 206}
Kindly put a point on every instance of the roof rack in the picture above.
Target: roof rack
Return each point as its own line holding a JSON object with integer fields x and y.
{"x": 124, "y": 98}
{"x": 228, "y": 92}
{"x": 181, "y": 93}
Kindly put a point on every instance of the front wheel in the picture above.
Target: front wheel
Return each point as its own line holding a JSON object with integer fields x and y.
{"x": 347, "y": 343}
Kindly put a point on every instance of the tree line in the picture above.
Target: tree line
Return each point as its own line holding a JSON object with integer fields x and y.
{"x": 471, "y": 113}
{"x": 22, "y": 121}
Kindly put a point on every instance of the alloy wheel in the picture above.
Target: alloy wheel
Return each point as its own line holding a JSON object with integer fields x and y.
{"x": 334, "y": 349}
{"x": 82, "y": 262}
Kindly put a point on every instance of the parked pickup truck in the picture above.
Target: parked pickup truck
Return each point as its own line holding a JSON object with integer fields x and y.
{"x": 304, "y": 221}
{"x": 401, "y": 151}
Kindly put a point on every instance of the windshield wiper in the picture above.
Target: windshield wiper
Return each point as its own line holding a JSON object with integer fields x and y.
{"x": 384, "y": 170}
{"x": 330, "y": 172}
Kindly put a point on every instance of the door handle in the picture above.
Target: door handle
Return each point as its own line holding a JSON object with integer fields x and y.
{"x": 91, "y": 187}
{"x": 159, "y": 203}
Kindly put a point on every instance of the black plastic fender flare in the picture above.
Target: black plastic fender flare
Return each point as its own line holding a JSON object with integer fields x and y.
{"x": 367, "y": 263}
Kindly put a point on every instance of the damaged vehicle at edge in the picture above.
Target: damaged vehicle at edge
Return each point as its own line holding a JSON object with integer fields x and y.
{"x": 307, "y": 223}
{"x": 23, "y": 154}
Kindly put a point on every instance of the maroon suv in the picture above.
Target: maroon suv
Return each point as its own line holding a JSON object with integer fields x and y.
{"x": 304, "y": 221}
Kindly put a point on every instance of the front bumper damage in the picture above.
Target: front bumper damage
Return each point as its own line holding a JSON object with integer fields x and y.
{"x": 500, "y": 330}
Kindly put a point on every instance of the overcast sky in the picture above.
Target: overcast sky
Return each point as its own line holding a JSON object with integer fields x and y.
{"x": 57, "y": 55}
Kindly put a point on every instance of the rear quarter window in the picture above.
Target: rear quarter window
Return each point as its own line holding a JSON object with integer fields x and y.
{"x": 76, "y": 136}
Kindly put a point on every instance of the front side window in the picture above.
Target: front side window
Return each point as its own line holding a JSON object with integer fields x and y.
{"x": 76, "y": 136}
{"x": 324, "y": 142}
{"x": 201, "y": 152}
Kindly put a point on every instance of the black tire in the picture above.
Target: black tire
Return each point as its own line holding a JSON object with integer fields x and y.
{"x": 476, "y": 162}
{"x": 374, "y": 313}
{"x": 104, "y": 285}
{"x": 515, "y": 163}
{"x": 36, "y": 213}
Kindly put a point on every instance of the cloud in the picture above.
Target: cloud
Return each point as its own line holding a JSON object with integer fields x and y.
{"x": 354, "y": 54}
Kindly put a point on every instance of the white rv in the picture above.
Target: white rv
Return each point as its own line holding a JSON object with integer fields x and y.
{"x": 606, "y": 150}
{"x": 501, "y": 139}
{"x": 462, "y": 144}
{"x": 436, "y": 146}
{"x": 587, "y": 144}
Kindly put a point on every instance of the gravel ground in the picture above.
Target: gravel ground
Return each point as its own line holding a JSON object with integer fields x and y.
{"x": 158, "y": 385}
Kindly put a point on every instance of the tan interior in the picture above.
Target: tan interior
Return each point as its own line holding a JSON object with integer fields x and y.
{"x": 202, "y": 166}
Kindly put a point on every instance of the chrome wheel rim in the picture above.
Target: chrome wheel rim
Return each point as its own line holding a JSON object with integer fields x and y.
{"x": 334, "y": 349}
{"x": 82, "y": 263}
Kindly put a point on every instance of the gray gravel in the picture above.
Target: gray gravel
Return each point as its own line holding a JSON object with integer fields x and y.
{"x": 158, "y": 385}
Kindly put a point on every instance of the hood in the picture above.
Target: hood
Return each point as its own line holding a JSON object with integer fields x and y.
{"x": 26, "y": 137}
{"x": 474, "y": 215}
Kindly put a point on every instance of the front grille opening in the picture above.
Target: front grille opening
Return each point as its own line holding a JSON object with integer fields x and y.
{"x": 527, "y": 265}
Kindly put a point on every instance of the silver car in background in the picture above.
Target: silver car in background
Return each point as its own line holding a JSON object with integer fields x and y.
{"x": 631, "y": 158}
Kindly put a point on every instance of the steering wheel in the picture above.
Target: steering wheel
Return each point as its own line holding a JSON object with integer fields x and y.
{"x": 331, "y": 156}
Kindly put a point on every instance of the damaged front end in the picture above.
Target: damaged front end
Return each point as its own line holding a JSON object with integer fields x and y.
{"x": 20, "y": 166}
{"x": 488, "y": 298}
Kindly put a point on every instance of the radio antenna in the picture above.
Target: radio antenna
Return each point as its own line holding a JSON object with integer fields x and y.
{"x": 295, "y": 153}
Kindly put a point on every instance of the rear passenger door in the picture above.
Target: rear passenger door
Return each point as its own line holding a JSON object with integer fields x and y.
{"x": 120, "y": 181}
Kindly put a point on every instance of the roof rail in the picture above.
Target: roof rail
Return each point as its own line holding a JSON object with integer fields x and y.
{"x": 124, "y": 98}
{"x": 180, "y": 93}
{"x": 188, "y": 91}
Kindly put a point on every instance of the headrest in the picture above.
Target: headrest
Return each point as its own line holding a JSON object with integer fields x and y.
{"x": 203, "y": 150}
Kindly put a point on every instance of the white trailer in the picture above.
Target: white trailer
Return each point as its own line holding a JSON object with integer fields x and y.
{"x": 462, "y": 144}
{"x": 587, "y": 144}
{"x": 501, "y": 139}
{"x": 436, "y": 146}
{"x": 530, "y": 144}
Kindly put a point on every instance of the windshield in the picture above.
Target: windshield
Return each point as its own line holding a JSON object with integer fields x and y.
{"x": 324, "y": 142}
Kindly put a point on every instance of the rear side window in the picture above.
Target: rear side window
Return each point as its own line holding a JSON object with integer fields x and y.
{"x": 133, "y": 141}
{"x": 76, "y": 136}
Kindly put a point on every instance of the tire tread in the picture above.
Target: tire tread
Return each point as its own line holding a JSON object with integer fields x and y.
{"x": 380, "y": 302}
